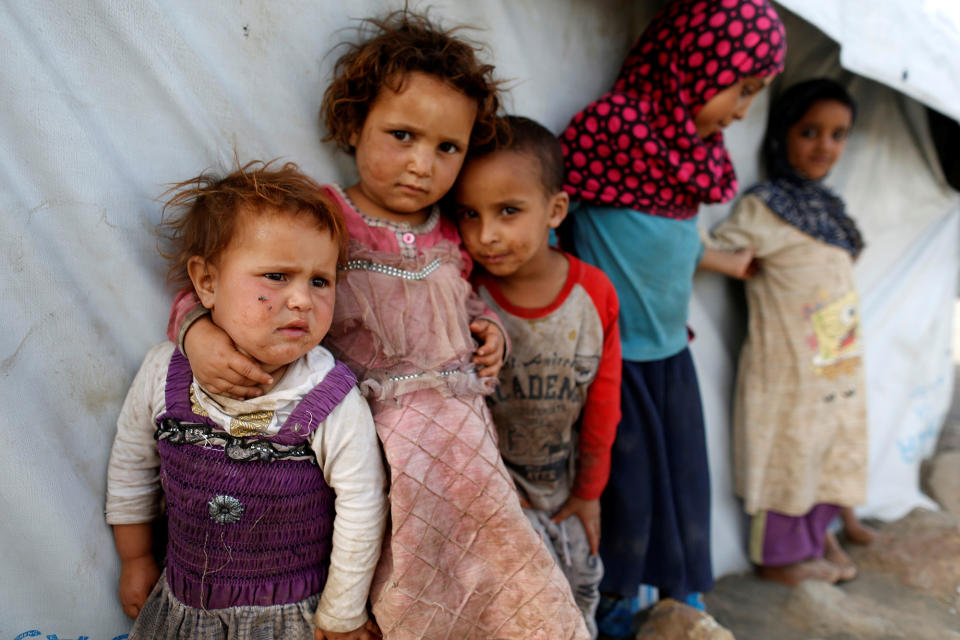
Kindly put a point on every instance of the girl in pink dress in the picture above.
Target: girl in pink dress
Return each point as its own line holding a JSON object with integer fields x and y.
{"x": 460, "y": 559}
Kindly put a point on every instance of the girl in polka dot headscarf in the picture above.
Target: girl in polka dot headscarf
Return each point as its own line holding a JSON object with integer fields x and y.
{"x": 639, "y": 161}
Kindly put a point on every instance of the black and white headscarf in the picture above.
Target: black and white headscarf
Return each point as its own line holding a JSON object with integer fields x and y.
{"x": 812, "y": 208}
{"x": 806, "y": 204}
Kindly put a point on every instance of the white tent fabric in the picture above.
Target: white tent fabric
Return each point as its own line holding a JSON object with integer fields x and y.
{"x": 909, "y": 46}
{"x": 105, "y": 101}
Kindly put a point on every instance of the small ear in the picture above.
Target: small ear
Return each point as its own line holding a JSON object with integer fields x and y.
{"x": 354, "y": 138}
{"x": 203, "y": 275}
{"x": 559, "y": 204}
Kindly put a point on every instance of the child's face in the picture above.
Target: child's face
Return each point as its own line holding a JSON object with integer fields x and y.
{"x": 816, "y": 141}
{"x": 272, "y": 288}
{"x": 411, "y": 146}
{"x": 728, "y": 105}
{"x": 504, "y": 213}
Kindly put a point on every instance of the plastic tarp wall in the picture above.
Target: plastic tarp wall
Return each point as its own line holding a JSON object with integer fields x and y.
{"x": 907, "y": 45}
{"x": 105, "y": 102}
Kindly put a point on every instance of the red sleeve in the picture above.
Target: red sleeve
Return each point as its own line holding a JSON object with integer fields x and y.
{"x": 601, "y": 412}
{"x": 184, "y": 302}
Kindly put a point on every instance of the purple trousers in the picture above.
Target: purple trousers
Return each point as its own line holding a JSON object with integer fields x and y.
{"x": 777, "y": 539}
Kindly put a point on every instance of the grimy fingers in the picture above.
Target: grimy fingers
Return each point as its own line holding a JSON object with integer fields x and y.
{"x": 239, "y": 391}
{"x": 488, "y": 372}
{"x": 593, "y": 539}
{"x": 249, "y": 371}
{"x": 486, "y": 360}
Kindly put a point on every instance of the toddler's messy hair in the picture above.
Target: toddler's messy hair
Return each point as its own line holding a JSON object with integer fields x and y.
{"x": 392, "y": 47}
{"x": 523, "y": 135}
{"x": 200, "y": 215}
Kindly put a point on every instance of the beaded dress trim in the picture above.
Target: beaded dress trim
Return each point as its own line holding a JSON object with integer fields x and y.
{"x": 369, "y": 265}
{"x": 241, "y": 449}
{"x": 405, "y": 232}
{"x": 413, "y": 376}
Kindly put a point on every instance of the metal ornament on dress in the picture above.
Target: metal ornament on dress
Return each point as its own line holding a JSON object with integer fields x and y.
{"x": 242, "y": 449}
{"x": 369, "y": 265}
{"x": 225, "y": 509}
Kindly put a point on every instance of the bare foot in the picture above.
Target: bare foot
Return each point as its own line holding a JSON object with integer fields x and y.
{"x": 834, "y": 554}
{"x": 854, "y": 530}
{"x": 793, "y": 574}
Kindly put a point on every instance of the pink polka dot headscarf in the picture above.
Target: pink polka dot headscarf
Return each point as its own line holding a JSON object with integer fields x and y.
{"x": 637, "y": 146}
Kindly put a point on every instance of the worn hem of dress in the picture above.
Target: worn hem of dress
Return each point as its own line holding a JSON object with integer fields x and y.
{"x": 163, "y": 615}
{"x": 820, "y": 498}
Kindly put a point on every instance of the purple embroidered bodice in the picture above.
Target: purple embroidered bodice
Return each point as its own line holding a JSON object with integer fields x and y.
{"x": 250, "y": 519}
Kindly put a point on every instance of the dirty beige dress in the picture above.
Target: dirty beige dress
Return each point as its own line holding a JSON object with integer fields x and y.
{"x": 800, "y": 429}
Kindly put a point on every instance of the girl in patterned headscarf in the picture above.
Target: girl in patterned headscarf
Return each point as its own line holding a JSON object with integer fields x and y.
{"x": 800, "y": 429}
{"x": 640, "y": 160}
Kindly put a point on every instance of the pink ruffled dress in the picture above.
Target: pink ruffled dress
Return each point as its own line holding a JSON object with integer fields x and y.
{"x": 460, "y": 559}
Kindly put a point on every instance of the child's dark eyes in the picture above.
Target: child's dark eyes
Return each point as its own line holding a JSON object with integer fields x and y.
{"x": 402, "y": 136}
{"x": 449, "y": 147}
{"x": 466, "y": 214}
{"x": 811, "y": 134}
{"x": 317, "y": 281}
{"x": 509, "y": 211}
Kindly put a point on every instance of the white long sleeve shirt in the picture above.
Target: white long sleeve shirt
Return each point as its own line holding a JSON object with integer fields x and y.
{"x": 345, "y": 445}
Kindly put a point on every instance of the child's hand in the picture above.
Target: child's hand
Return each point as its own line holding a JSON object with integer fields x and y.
{"x": 589, "y": 513}
{"x": 743, "y": 264}
{"x": 369, "y": 631}
{"x": 137, "y": 577}
{"x": 740, "y": 264}
{"x": 524, "y": 503}
{"x": 489, "y": 354}
{"x": 217, "y": 364}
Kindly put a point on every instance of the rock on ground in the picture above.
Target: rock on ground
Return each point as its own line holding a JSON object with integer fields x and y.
{"x": 922, "y": 550}
{"x": 672, "y": 620}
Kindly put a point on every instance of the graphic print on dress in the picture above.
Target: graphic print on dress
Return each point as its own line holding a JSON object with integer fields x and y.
{"x": 835, "y": 341}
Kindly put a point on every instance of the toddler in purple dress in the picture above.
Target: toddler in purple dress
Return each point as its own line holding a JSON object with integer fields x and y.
{"x": 275, "y": 506}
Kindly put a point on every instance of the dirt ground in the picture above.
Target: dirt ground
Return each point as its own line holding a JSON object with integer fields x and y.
{"x": 907, "y": 588}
